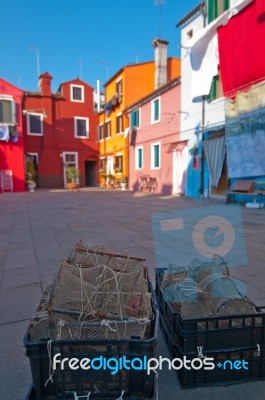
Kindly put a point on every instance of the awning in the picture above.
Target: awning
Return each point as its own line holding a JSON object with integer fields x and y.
{"x": 215, "y": 153}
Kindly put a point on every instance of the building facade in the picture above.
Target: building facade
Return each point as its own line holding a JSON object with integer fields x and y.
{"x": 128, "y": 85}
{"x": 60, "y": 131}
{"x": 206, "y": 47}
{"x": 154, "y": 141}
{"x": 12, "y": 171}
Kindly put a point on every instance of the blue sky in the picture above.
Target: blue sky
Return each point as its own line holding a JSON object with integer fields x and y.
{"x": 95, "y": 32}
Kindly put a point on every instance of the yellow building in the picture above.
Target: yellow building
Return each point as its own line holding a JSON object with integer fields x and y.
{"x": 128, "y": 85}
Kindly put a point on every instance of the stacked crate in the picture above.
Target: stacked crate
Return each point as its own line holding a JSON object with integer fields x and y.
{"x": 228, "y": 338}
{"x": 100, "y": 304}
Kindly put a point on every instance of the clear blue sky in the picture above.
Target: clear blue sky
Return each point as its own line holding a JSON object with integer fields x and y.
{"x": 115, "y": 32}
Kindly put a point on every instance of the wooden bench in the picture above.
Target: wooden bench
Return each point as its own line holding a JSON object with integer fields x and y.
{"x": 246, "y": 188}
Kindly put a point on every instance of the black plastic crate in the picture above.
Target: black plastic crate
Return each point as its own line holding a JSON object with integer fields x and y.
{"x": 31, "y": 395}
{"x": 99, "y": 383}
{"x": 223, "y": 373}
{"x": 213, "y": 333}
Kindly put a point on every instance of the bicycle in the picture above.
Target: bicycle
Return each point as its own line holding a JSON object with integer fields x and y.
{"x": 147, "y": 184}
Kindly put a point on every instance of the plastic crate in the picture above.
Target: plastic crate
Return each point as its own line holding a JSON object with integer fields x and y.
{"x": 219, "y": 375}
{"x": 213, "y": 333}
{"x": 31, "y": 395}
{"x": 98, "y": 383}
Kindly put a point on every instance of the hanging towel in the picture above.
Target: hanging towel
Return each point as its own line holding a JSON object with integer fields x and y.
{"x": 13, "y": 134}
{"x": 4, "y": 132}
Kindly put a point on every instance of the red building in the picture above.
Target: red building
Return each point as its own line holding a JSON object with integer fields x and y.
{"x": 12, "y": 173}
{"x": 60, "y": 131}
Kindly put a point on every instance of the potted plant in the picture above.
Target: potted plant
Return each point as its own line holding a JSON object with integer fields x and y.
{"x": 30, "y": 175}
{"x": 102, "y": 178}
{"x": 110, "y": 180}
{"x": 72, "y": 174}
{"x": 123, "y": 182}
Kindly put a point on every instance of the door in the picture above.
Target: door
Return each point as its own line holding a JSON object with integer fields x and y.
{"x": 110, "y": 166}
{"x": 69, "y": 160}
{"x": 34, "y": 157}
{"x": 179, "y": 168}
{"x": 91, "y": 173}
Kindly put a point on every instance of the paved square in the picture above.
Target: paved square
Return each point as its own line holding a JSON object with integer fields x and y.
{"x": 38, "y": 229}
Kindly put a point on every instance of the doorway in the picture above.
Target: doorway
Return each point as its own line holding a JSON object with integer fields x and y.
{"x": 91, "y": 173}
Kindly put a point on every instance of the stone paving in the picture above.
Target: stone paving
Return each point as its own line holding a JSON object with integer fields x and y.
{"x": 38, "y": 229}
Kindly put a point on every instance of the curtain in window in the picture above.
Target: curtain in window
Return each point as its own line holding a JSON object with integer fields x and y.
{"x": 215, "y": 153}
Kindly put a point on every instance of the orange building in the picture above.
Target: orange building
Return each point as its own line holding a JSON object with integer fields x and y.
{"x": 128, "y": 85}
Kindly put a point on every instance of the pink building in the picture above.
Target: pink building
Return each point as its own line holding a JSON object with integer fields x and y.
{"x": 155, "y": 148}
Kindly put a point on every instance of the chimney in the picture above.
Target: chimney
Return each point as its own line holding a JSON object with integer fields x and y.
{"x": 45, "y": 84}
{"x": 160, "y": 47}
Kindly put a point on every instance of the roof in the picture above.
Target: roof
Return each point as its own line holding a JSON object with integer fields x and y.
{"x": 155, "y": 93}
{"x": 73, "y": 80}
{"x": 123, "y": 68}
{"x": 197, "y": 10}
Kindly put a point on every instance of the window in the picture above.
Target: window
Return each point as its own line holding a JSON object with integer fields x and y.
{"x": 119, "y": 86}
{"x": 155, "y": 155}
{"x": 155, "y": 110}
{"x": 7, "y": 111}
{"x": 119, "y": 124}
{"x": 101, "y": 132}
{"x": 216, "y": 8}
{"x": 102, "y": 164}
{"x": 77, "y": 93}
{"x": 107, "y": 129}
{"x": 216, "y": 89}
{"x": 34, "y": 124}
{"x": 135, "y": 118}
{"x": 81, "y": 127}
{"x": 139, "y": 162}
{"x": 190, "y": 34}
{"x": 119, "y": 163}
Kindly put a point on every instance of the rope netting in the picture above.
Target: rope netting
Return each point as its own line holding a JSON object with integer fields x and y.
{"x": 204, "y": 289}
{"x": 102, "y": 296}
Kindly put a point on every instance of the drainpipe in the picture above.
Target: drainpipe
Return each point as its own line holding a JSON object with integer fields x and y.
{"x": 203, "y": 122}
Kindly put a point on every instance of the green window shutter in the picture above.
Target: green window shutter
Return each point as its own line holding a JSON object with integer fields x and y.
{"x": 156, "y": 156}
{"x": 212, "y": 10}
{"x": 213, "y": 92}
{"x": 133, "y": 119}
{"x": 137, "y": 118}
{"x": 226, "y": 4}
{"x": 140, "y": 158}
{"x": 156, "y": 110}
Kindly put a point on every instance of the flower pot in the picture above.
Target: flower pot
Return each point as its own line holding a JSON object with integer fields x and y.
{"x": 123, "y": 185}
{"x": 73, "y": 186}
{"x": 31, "y": 186}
